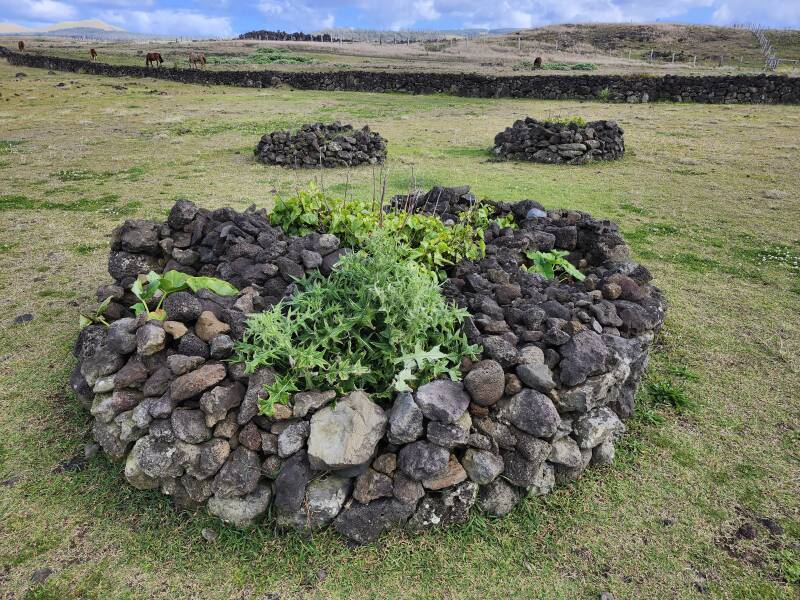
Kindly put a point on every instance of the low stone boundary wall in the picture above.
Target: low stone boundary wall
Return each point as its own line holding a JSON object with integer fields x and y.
{"x": 753, "y": 89}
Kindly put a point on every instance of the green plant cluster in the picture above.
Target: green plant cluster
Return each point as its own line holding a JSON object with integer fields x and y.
{"x": 169, "y": 283}
{"x": 378, "y": 323}
{"x": 550, "y": 264}
{"x": 262, "y": 56}
{"x": 421, "y": 238}
{"x": 528, "y": 65}
{"x": 566, "y": 120}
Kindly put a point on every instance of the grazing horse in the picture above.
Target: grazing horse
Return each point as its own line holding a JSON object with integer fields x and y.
{"x": 197, "y": 59}
{"x": 153, "y": 58}
{"x": 21, "y": 46}
{"x": 93, "y": 53}
{"x": 537, "y": 64}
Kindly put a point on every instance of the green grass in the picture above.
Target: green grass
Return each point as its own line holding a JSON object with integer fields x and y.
{"x": 656, "y": 524}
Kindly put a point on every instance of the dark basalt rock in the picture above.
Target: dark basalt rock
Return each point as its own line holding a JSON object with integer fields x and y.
{"x": 321, "y": 145}
{"x": 556, "y": 143}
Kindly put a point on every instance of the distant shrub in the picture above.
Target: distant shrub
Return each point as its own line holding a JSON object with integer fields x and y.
{"x": 584, "y": 66}
{"x": 604, "y": 94}
{"x": 262, "y": 56}
{"x": 566, "y": 120}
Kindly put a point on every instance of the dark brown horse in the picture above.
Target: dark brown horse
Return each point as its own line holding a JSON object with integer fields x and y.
{"x": 153, "y": 58}
{"x": 93, "y": 53}
{"x": 537, "y": 64}
{"x": 21, "y": 46}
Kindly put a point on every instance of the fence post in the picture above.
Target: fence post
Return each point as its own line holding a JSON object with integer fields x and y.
{"x": 673, "y": 58}
{"x": 694, "y": 61}
{"x": 651, "y": 55}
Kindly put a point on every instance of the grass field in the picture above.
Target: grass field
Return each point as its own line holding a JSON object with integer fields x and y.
{"x": 707, "y": 197}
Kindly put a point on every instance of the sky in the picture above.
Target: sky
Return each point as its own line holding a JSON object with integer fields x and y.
{"x": 224, "y": 18}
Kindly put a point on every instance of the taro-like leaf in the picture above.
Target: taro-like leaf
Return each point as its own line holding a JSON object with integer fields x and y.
{"x": 173, "y": 281}
{"x": 139, "y": 308}
{"x": 218, "y": 286}
{"x": 159, "y": 314}
{"x": 85, "y": 321}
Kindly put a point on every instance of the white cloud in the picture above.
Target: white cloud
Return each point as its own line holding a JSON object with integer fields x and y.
{"x": 37, "y": 10}
{"x": 164, "y": 21}
{"x": 296, "y": 15}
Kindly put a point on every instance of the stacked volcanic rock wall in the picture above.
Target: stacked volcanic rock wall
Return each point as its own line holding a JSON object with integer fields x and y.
{"x": 560, "y": 365}
{"x": 746, "y": 89}
{"x": 546, "y": 142}
{"x": 321, "y": 145}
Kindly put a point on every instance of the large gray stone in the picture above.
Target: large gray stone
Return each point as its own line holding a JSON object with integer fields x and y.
{"x": 582, "y": 356}
{"x": 216, "y": 402}
{"x": 565, "y": 451}
{"x": 485, "y": 382}
{"x": 190, "y": 425}
{"x": 239, "y": 475}
{"x": 156, "y": 458}
{"x": 306, "y": 402}
{"x": 451, "y": 506}
{"x": 363, "y": 523}
{"x": 107, "y": 406}
{"x": 481, "y": 466}
{"x": 530, "y": 411}
{"x": 324, "y": 498}
{"x": 150, "y": 338}
{"x": 442, "y": 400}
{"x": 537, "y": 376}
{"x": 597, "y": 426}
{"x": 421, "y": 460}
{"x": 197, "y": 381}
{"x": 243, "y": 511}
{"x": 405, "y": 420}
{"x": 345, "y": 435}
{"x": 290, "y": 485}
{"x": 498, "y": 498}
{"x": 292, "y": 439}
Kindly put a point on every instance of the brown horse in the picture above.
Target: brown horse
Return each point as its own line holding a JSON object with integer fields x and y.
{"x": 537, "y": 64}
{"x": 197, "y": 59}
{"x": 93, "y": 53}
{"x": 21, "y": 46}
{"x": 153, "y": 58}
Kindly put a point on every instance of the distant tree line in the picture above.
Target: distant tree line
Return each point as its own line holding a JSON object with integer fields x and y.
{"x": 283, "y": 36}
{"x": 357, "y": 35}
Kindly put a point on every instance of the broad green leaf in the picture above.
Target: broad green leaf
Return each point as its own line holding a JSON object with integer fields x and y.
{"x": 218, "y": 286}
{"x": 153, "y": 281}
{"x": 85, "y": 321}
{"x": 139, "y": 308}
{"x": 137, "y": 289}
{"x": 159, "y": 314}
{"x": 173, "y": 281}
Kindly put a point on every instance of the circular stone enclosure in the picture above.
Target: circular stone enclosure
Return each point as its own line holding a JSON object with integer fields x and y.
{"x": 560, "y": 143}
{"x": 322, "y": 145}
{"x": 559, "y": 368}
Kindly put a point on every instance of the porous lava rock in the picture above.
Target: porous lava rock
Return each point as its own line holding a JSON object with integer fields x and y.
{"x": 558, "y": 143}
{"x": 322, "y": 145}
{"x": 545, "y": 399}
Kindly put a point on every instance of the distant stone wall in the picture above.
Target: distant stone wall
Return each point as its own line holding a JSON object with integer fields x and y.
{"x": 748, "y": 89}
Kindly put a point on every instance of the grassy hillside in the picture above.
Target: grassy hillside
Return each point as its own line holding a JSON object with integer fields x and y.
{"x": 703, "y": 499}
{"x": 708, "y": 43}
